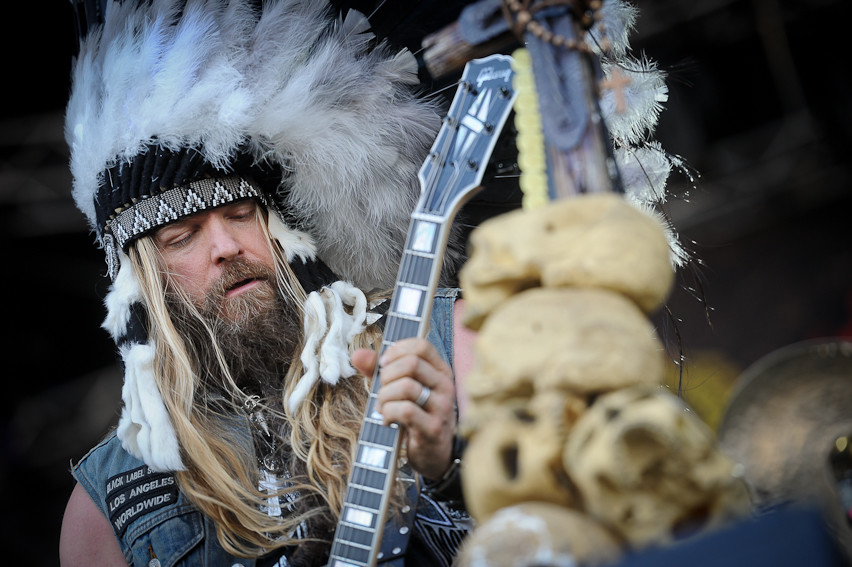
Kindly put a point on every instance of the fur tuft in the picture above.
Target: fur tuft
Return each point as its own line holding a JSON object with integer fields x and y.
{"x": 333, "y": 316}
{"x": 123, "y": 293}
{"x": 294, "y": 243}
{"x": 144, "y": 427}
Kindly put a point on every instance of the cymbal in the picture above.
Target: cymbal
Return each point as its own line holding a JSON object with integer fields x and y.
{"x": 782, "y": 420}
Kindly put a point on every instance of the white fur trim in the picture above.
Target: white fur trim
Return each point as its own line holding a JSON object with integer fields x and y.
{"x": 329, "y": 331}
{"x": 293, "y": 242}
{"x": 123, "y": 293}
{"x": 145, "y": 429}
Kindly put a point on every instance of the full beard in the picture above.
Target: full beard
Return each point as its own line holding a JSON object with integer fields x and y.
{"x": 257, "y": 331}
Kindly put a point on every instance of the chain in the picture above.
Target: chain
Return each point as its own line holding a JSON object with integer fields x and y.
{"x": 520, "y": 14}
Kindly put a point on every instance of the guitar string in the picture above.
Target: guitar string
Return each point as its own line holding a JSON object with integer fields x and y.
{"x": 462, "y": 162}
{"x": 462, "y": 159}
{"x": 430, "y": 187}
{"x": 408, "y": 268}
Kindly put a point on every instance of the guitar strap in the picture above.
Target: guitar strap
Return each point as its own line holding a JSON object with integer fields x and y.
{"x": 399, "y": 527}
{"x": 442, "y": 516}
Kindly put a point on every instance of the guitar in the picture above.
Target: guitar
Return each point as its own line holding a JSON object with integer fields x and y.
{"x": 450, "y": 175}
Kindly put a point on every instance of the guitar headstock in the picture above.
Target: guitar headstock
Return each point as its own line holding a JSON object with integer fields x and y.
{"x": 457, "y": 161}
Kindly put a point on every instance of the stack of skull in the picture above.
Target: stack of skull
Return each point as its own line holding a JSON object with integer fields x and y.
{"x": 576, "y": 453}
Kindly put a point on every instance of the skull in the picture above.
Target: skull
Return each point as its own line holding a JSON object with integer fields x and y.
{"x": 538, "y": 534}
{"x": 517, "y": 456}
{"x": 649, "y": 469}
{"x": 593, "y": 240}
{"x": 574, "y": 340}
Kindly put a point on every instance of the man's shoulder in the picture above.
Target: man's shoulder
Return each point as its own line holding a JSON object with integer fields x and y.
{"x": 108, "y": 454}
{"x": 108, "y": 468}
{"x": 123, "y": 486}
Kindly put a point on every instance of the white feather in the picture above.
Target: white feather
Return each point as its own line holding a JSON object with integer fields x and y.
{"x": 644, "y": 172}
{"x": 616, "y": 23}
{"x": 644, "y": 96}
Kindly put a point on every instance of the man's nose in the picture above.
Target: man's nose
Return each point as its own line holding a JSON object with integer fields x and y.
{"x": 224, "y": 246}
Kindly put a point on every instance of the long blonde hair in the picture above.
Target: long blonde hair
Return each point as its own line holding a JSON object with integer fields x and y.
{"x": 222, "y": 474}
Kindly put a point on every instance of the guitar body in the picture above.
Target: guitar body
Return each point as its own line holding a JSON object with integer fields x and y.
{"x": 450, "y": 175}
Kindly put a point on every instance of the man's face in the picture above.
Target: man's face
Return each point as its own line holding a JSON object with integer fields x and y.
{"x": 219, "y": 256}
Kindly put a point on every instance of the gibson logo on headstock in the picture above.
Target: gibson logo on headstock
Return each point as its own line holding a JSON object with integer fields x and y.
{"x": 490, "y": 74}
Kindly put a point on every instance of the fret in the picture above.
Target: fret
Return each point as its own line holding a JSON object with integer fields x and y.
{"x": 360, "y": 555}
{"x": 409, "y": 253}
{"x": 421, "y": 215}
{"x": 377, "y": 434}
{"x": 356, "y": 535}
{"x": 363, "y": 476}
{"x": 338, "y": 562}
{"x": 402, "y": 317}
{"x": 371, "y": 413}
{"x": 358, "y": 516}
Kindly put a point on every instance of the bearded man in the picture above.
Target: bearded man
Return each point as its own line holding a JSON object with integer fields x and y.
{"x": 250, "y": 175}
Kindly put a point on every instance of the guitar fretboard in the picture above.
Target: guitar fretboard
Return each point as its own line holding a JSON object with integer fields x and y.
{"x": 365, "y": 505}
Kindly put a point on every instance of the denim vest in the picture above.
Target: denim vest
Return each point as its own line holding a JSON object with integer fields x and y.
{"x": 157, "y": 526}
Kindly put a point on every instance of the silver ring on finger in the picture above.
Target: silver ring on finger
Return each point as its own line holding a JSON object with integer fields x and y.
{"x": 424, "y": 396}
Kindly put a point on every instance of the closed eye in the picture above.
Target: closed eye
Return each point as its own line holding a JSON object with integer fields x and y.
{"x": 245, "y": 211}
{"x": 174, "y": 236}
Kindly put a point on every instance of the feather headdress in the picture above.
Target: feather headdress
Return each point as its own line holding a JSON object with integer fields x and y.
{"x": 287, "y": 89}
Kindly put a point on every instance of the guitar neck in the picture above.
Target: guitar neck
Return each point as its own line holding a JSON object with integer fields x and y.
{"x": 367, "y": 500}
{"x": 449, "y": 176}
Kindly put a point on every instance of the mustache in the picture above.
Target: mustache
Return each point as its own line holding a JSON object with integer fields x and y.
{"x": 246, "y": 341}
{"x": 238, "y": 272}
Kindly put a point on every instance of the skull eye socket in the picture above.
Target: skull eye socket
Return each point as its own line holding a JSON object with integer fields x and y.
{"x": 612, "y": 413}
{"x": 606, "y": 483}
{"x": 509, "y": 460}
{"x": 523, "y": 415}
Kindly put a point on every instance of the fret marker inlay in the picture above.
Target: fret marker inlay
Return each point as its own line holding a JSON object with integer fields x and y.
{"x": 360, "y": 517}
{"x": 424, "y": 236}
{"x": 408, "y": 302}
{"x": 373, "y": 457}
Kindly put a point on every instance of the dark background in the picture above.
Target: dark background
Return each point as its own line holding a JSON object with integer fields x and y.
{"x": 759, "y": 105}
